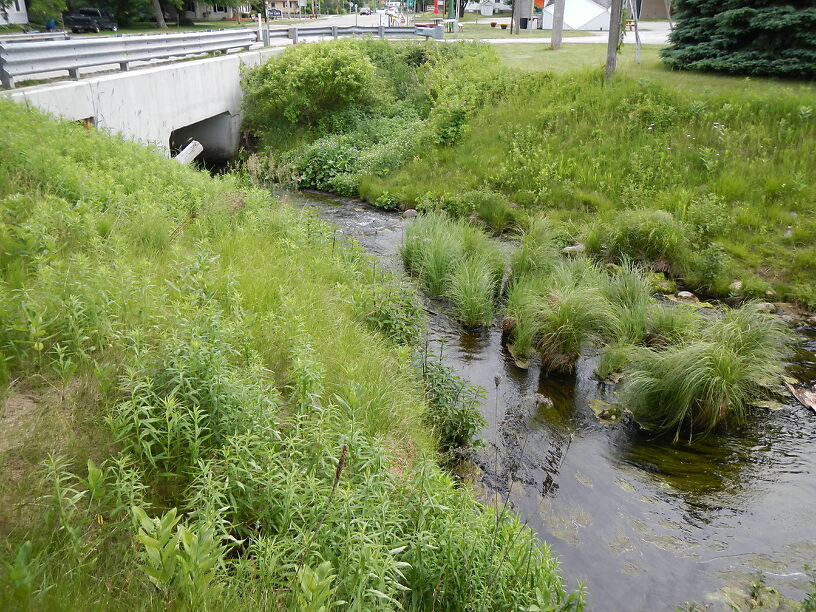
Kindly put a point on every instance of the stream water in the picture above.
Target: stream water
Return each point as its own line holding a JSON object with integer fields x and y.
{"x": 643, "y": 523}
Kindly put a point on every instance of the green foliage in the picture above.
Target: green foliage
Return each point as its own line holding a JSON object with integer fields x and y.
{"x": 453, "y": 408}
{"x": 306, "y": 82}
{"x": 472, "y": 288}
{"x": 232, "y": 362}
{"x": 455, "y": 260}
{"x": 650, "y": 237}
{"x": 757, "y": 38}
{"x": 695, "y": 385}
{"x": 568, "y": 319}
{"x": 179, "y": 561}
{"x": 392, "y": 309}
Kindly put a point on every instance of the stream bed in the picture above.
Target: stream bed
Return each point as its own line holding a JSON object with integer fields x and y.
{"x": 645, "y": 524}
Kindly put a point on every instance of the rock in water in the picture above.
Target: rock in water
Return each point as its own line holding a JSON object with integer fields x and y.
{"x": 687, "y": 296}
{"x": 409, "y": 214}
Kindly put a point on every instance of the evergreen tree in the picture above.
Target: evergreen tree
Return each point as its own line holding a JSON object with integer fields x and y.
{"x": 753, "y": 37}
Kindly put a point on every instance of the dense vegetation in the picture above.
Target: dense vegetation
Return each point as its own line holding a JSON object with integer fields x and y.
{"x": 657, "y": 188}
{"x": 212, "y": 404}
{"x": 694, "y": 183}
{"x": 754, "y": 37}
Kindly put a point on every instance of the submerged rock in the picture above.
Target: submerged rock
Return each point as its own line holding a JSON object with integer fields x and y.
{"x": 608, "y": 414}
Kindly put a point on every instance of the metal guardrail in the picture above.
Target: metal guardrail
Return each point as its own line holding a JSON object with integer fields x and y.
{"x": 33, "y": 57}
{"x": 26, "y": 36}
{"x": 40, "y": 56}
{"x": 296, "y": 33}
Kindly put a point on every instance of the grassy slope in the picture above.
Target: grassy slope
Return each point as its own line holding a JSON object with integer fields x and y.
{"x": 119, "y": 268}
{"x": 589, "y": 150}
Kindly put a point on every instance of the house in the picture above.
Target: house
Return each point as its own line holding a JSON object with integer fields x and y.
{"x": 197, "y": 11}
{"x": 14, "y": 12}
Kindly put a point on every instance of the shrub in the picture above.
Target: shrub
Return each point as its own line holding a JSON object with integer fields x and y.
{"x": 307, "y": 82}
{"x": 453, "y": 407}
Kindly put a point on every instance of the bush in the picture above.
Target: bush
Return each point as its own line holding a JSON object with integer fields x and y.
{"x": 305, "y": 83}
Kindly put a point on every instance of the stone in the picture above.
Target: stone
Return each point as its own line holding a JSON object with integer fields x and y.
{"x": 409, "y": 214}
{"x": 735, "y": 287}
{"x": 766, "y": 307}
{"x": 542, "y": 400}
{"x": 770, "y": 293}
{"x": 575, "y": 249}
{"x": 686, "y": 296}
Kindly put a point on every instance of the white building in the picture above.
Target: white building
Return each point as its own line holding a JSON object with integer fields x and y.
{"x": 214, "y": 12}
{"x": 14, "y": 12}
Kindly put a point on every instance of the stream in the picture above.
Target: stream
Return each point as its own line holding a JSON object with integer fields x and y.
{"x": 643, "y": 523}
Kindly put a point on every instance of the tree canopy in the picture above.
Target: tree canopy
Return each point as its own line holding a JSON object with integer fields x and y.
{"x": 751, "y": 37}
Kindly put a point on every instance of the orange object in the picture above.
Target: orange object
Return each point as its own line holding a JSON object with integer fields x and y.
{"x": 539, "y": 3}
{"x": 436, "y": 7}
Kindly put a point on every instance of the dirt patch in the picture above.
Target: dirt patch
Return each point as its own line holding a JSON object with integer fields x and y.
{"x": 17, "y": 417}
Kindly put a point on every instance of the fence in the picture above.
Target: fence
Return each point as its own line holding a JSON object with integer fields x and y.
{"x": 37, "y": 57}
{"x": 25, "y": 36}
{"x": 42, "y": 56}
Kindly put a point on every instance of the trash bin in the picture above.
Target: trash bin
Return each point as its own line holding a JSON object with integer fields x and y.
{"x": 523, "y": 23}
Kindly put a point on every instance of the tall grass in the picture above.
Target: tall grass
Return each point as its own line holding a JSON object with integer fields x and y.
{"x": 266, "y": 443}
{"x": 472, "y": 289}
{"x": 458, "y": 261}
{"x": 570, "y": 318}
{"x": 694, "y": 386}
{"x": 673, "y": 149}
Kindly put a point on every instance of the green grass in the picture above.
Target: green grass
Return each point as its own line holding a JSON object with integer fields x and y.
{"x": 472, "y": 288}
{"x": 723, "y": 160}
{"x": 693, "y": 386}
{"x": 186, "y": 345}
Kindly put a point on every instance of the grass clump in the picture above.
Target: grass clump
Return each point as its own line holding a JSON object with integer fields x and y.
{"x": 650, "y": 237}
{"x": 695, "y": 385}
{"x": 471, "y": 288}
{"x": 457, "y": 261}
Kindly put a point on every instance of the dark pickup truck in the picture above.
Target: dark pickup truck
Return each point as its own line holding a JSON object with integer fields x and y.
{"x": 90, "y": 20}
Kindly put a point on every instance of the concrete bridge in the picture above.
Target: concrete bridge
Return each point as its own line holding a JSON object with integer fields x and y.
{"x": 164, "y": 105}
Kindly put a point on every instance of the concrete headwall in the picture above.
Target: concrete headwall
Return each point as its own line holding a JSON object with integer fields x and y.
{"x": 147, "y": 104}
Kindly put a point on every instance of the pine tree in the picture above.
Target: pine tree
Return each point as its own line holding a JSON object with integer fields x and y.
{"x": 752, "y": 37}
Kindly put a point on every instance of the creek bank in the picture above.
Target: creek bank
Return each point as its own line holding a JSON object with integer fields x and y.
{"x": 693, "y": 520}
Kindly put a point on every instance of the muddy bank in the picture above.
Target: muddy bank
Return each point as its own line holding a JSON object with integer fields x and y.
{"x": 645, "y": 524}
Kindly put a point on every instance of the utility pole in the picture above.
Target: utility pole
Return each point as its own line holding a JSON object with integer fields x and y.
{"x": 614, "y": 38}
{"x": 558, "y": 24}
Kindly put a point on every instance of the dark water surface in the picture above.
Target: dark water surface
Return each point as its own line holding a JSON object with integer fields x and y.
{"x": 645, "y": 524}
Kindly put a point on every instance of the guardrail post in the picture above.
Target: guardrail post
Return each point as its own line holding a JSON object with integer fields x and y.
{"x": 293, "y": 34}
{"x": 124, "y": 66}
{"x": 6, "y": 79}
{"x": 334, "y": 32}
{"x": 266, "y": 35}
{"x": 381, "y": 31}
{"x": 73, "y": 73}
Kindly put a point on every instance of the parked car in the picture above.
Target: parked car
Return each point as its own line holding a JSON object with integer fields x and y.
{"x": 365, "y": 10}
{"x": 90, "y": 20}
